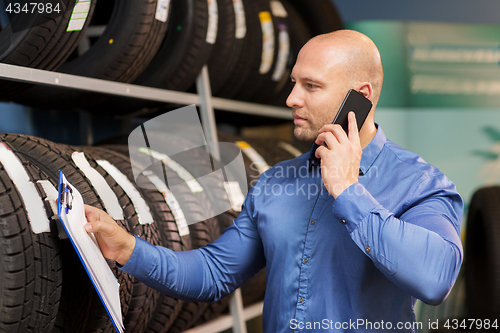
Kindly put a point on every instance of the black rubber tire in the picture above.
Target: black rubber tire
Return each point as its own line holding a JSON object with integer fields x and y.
{"x": 198, "y": 163}
{"x": 46, "y": 45}
{"x": 177, "y": 63}
{"x": 261, "y": 92}
{"x": 254, "y": 289}
{"x": 257, "y": 81}
{"x": 30, "y": 264}
{"x": 226, "y": 48}
{"x": 184, "y": 50}
{"x": 482, "y": 254}
{"x": 299, "y": 35}
{"x": 252, "y": 173}
{"x": 321, "y": 15}
{"x": 250, "y": 58}
{"x": 134, "y": 46}
{"x": 167, "y": 307}
{"x": 144, "y": 299}
{"x": 201, "y": 234}
{"x": 269, "y": 149}
{"x": 80, "y": 309}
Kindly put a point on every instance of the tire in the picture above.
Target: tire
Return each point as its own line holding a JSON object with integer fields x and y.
{"x": 270, "y": 149}
{"x": 198, "y": 163}
{"x": 120, "y": 54}
{"x": 482, "y": 254}
{"x": 80, "y": 309}
{"x": 179, "y": 60}
{"x": 201, "y": 233}
{"x": 254, "y": 289}
{"x": 299, "y": 35}
{"x": 167, "y": 308}
{"x": 227, "y": 47}
{"x": 144, "y": 299}
{"x": 321, "y": 15}
{"x": 44, "y": 44}
{"x": 252, "y": 173}
{"x": 184, "y": 51}
{"x": 30, "y": 264}
{"x": 263, "y": 80}
{"x": 249, "y": 61}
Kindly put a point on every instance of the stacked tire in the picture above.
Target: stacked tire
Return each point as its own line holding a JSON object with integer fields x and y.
{"x": 249, "y": 46}
{"x": 482, "y": 254}
{"x": 44, "y": 287}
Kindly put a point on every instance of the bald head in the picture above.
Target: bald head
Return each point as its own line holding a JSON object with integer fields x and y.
{"x": 356, "y": 53}
{"x": 326, "y": 68}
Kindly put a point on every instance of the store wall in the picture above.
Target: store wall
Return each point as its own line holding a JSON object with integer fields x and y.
{"x": 462, "y": 11}
{"x": 441, "y": 95}
{"x": 463, "y": 143}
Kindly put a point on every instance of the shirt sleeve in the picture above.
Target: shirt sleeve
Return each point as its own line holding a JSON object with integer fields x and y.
{"x": 206, "y": 274}
{"x": 420, "y": 251}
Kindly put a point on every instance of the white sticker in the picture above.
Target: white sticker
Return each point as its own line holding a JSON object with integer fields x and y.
{"x": 236, "y": 197}
{"x": 289, "y": 148}
{"x": 241, "y": 24}
{"x": 33, "y": 203}
{"x": 253, "y": 155}
{"x": 277, "y": 9}
{"x": 140, "y": 205}
{"x": 191, "y": 182}
{"x": 104, "y": 191}
{"x": 171, "y": 201}
{"x": 267, "y": 26}
{"x": 79, "y": 15}
{"x": 162, "y": 10}
{"x": 213, "y": 21}
{"x": 284, "y": 51}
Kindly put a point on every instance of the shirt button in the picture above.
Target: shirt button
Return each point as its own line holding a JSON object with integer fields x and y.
{"x": 313, "y": 222}
{"x": 367, "y": 249}
{"x": 343, "y": 222}
{"x": 301, "y": 300}
{"x": 306, "y": 260}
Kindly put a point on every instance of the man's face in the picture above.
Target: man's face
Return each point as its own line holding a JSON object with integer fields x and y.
{"x": 320, "y": 87}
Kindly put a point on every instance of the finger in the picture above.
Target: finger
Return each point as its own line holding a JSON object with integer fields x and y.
{"x": 92, "y": 213}
{"x": 95, "y": 214}
{"x": 328, "y": 138}
{"x": 337, "y": 131}
{"x": 320, "y": 151}
{"x": 353, "y": 129}
{"x": 102, "y": 227}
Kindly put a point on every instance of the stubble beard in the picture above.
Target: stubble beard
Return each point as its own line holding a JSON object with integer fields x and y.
{"x": 307, "y": 135}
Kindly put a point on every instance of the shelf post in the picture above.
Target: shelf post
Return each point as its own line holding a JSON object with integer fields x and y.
{"x": 207, "y": 110}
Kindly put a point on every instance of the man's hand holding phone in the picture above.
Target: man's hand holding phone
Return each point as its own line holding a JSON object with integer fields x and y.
{"x": 341, "y": 159}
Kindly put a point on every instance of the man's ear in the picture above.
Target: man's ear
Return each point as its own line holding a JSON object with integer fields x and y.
{"x": 365, "y": 89}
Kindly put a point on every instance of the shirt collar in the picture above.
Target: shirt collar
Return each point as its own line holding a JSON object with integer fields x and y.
{"x": 370, "y": 152}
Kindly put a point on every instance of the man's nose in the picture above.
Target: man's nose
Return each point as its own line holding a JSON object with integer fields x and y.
{"x": 294, "y": 99}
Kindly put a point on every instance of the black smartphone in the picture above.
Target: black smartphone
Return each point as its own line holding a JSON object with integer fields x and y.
{"x": 357, "y": 103}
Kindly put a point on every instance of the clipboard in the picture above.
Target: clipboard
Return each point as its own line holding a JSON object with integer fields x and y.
{"x": 72, "y": 215}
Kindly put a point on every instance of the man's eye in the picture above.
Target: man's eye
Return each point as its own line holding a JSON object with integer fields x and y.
{"x": 311, "y": 86}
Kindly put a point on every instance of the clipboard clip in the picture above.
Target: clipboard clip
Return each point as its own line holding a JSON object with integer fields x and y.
{"x": 66, "y": 197}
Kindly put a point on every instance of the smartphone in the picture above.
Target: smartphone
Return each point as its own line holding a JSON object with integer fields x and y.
{"x": 357, "y": 103}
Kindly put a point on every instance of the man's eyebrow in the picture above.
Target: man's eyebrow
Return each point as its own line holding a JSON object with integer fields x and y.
{"x": 307, "y": 80}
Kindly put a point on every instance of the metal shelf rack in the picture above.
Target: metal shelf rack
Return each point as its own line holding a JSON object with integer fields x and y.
{"x": 204, "y": 99}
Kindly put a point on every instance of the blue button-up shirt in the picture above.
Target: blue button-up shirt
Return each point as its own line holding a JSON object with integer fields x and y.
{"x": 354, "y": 264}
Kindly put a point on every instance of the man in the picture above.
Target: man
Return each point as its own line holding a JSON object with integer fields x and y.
{"x": 360, "y": 229}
